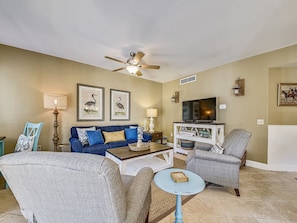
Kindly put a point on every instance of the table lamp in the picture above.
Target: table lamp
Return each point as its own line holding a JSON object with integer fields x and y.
{"x": 151, "y": 113}
{"x": 55, "y": 101}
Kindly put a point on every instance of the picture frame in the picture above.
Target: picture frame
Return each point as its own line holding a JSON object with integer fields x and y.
{"x": 90, "y": 103}
{"x": 287, "y": 94}
{"x": 119, "y": 105}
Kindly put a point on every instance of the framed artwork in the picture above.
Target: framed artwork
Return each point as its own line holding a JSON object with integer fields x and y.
{"x": 287, "y": 94}
{"x": 90, "y": 103}
{"x": 119, "y": 105}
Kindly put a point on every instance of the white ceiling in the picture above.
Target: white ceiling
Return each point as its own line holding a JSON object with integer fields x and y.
{"x": 182, "y": 36}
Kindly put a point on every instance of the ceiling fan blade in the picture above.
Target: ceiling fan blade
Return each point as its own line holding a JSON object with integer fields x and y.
{"x": 138, "y": 73}
{"x": 122, "y": 68}
{"x": 107, "y": 57}
{"x": 144, "y": 66}
{"x": 138, "y": 56}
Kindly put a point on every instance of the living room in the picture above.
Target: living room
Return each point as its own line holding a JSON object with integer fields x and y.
{"x": 26, "y": 76}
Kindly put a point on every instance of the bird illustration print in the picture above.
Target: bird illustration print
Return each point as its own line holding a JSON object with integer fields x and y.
{"x": 89, "y": 104}
{"x": 119, "y": 104}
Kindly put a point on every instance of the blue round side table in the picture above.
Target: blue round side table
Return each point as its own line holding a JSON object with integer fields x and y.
{"x": 194, "y": 186}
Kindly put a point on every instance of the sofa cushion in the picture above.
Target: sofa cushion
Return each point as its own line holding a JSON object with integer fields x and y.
{"x": 114, "y": 136}
{"x": 98, "y": 149}
{"x": 117, "y": 144}
{"x": 82, "y": 134}
{"x": 95, "y": 137}
{"x": 131, "y": 134}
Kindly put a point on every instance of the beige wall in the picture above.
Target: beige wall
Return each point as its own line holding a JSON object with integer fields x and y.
{"x": 242, "y": 111}
{"x": 25, "y": 76}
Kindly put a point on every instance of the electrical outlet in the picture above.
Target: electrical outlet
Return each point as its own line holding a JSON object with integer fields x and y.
{"x": 260, "y": 121}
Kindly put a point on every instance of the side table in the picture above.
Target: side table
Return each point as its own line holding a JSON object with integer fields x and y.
{"x": 156, "y": 135}
{"x": 63, "y": 147}
{"x": 194, "y": 186}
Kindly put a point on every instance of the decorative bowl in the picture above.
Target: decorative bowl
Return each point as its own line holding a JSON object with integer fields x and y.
{"x": 139, "y": 146}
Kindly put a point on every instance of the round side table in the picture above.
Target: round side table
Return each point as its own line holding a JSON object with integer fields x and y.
{"x": 194, "y": 186}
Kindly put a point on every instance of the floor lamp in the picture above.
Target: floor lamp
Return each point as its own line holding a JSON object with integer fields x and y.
{"x": 55, "y": 101}
{"x": 151, "y": 113}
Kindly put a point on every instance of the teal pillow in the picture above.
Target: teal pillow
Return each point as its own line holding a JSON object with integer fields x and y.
{"x": 95, "y": 137}
{"x": 131, "y": 134}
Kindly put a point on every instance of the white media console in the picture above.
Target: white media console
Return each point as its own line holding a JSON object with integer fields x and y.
{"x": 211, "y": 133}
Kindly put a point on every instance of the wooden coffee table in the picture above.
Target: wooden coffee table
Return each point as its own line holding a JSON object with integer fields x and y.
{"x": 158, "y": 157}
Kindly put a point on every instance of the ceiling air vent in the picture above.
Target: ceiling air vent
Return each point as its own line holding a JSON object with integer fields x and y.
{"x": 187, "y": 80}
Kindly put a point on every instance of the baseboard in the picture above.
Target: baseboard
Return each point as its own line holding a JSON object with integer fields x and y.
{"x": 264, "y": 166}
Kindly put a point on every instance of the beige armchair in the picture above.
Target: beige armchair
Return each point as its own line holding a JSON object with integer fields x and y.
{"x": 221, "y": 169}
{"x": 70, "y": 187}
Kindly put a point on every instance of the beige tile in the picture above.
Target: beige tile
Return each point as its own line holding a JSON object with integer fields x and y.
{"x": 6, "y": 218}
{"x": 8, "y": 203}
{"x": 242, "y": 220}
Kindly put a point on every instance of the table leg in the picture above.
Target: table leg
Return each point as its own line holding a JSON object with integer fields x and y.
{"x": 178, "y": 211}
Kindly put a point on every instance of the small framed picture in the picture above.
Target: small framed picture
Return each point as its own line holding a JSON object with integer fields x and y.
{"x": 90, "y": 103}
{"x": 287, "y": 94}
{"x": 119, "y": 105}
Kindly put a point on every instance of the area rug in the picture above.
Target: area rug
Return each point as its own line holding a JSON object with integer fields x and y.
{"x": 163, "y": 203}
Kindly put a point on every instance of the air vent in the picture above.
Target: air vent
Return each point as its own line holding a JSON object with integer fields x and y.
{"x": 187, "y": 80}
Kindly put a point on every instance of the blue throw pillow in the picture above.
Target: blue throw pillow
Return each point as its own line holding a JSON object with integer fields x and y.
{"x": 95, "y": 137}
{"x": 131, "y": 134}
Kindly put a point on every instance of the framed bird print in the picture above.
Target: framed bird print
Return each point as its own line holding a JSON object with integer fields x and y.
{"x": 90, "y": 103}
{"x": 119, "y": 105}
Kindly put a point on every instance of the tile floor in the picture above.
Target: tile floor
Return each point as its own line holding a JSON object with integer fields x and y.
{"x": 266, "y": 197}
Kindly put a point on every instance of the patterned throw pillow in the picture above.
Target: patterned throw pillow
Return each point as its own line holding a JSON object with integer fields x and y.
{"x": 217, "y": 149}
{"x": 24, "y": 143}
{"x": 82, "y": 135}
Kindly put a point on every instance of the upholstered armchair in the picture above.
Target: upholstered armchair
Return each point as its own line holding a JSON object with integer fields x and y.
{"x": 222, "y": 169}
{"x": 70, "y": 187}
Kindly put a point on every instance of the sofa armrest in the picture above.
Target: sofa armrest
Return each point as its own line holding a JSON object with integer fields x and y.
{"x": 138, "y": 193}
{"x": 222, "y": 158}
{"x": 76, "y": 145}
{"x": 146, "y": 137}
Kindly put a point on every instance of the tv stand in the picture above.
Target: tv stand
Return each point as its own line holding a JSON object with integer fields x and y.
{"x": 211, "y": 133}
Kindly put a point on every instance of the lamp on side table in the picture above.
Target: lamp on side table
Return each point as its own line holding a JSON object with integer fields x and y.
{"x": 151, "y": 113}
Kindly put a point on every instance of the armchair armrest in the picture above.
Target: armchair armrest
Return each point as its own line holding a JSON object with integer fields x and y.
{"x": 138, "y": 192}
{"x": 206, "y": 155}
{"x": 76, "y": 145}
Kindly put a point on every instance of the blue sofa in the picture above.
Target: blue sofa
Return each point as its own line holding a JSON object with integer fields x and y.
{"x": 100, "y": 148}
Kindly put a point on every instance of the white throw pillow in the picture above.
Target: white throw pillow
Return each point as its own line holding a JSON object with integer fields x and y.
{"x": 217, "y": 149}
{"x": 82, "y": 134}
{"x": 24, "y": 143}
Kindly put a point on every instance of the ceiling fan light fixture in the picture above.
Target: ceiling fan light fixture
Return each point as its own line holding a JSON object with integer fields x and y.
{"x": 132, "y": 69}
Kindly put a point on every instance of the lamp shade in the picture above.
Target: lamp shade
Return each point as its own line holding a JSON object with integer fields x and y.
{"x": 151, "y": 112}
{"x": 52, "y": 101}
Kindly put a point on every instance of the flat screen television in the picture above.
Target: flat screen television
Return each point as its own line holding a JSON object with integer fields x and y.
{"x": 200, "y": 110}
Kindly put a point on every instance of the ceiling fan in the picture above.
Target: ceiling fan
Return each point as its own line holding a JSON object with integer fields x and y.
{"x": 133, "y": 64}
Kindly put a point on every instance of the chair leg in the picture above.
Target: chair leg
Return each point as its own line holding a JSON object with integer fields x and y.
{"x": 147, "y": 218}
{"x": 237, "y": 192}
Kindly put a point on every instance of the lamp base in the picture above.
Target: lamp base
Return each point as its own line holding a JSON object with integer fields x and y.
{"x": 151, "y": 125}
